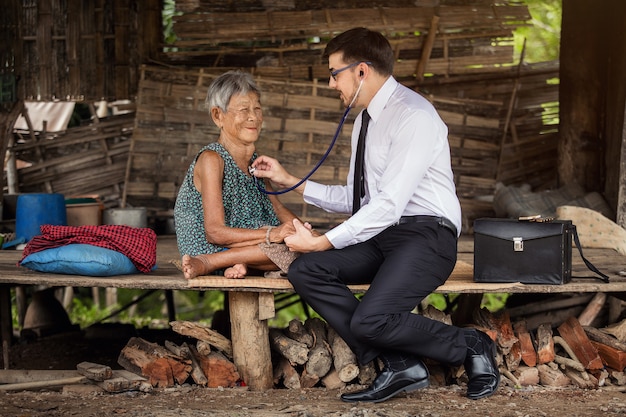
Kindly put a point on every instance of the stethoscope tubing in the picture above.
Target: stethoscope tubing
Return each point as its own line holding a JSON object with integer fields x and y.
{"x": 315, "y": 168}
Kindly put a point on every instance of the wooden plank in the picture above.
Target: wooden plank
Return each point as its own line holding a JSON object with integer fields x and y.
{"x": 18, "y": 376}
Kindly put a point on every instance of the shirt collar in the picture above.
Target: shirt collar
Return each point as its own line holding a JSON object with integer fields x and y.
{"x": 378, "y": 102}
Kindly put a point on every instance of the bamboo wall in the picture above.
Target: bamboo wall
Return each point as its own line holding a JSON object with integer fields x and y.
{"x": 85, "y": 50}
{"x": 460, "y": 56}
{"x": 300, "y": 117}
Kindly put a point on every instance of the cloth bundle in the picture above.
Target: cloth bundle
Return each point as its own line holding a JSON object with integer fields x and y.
{"x": 138, "y": 244}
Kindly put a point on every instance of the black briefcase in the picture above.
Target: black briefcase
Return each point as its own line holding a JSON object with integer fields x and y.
{"x": 530, "y": 251}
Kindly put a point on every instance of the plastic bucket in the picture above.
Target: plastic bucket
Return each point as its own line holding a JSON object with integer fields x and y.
{"x": 83, "y": 212}
{"x": 34, "y": 210}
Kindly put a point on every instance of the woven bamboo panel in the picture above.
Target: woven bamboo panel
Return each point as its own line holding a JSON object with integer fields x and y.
{"x": 505, "y": 129}
{"x": 279, "y": 42}
{"x": 85, "y": 50}
{"x": 83, "y": 160}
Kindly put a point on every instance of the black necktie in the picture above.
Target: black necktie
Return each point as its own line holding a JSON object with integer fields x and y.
{"x": 359, "y": 180}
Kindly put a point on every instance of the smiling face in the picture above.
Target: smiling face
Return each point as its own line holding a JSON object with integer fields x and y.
{"x": 242, "y": 119}
{"x": 345, "y": 77}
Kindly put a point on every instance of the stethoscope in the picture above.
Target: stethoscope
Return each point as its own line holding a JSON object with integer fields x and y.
{"x": 322, "y": 159}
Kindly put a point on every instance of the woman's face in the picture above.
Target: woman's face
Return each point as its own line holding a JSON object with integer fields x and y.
{"x": 243, "y": 118}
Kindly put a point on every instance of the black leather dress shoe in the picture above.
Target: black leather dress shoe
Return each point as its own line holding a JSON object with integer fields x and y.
{"x": 482, "y": 369}
{"x": 390, "y": 383}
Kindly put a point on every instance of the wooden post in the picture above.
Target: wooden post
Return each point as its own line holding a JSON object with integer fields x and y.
{"x": 427, "y": 49}
{"x": 250, "y": 340}
{"x": 6, "y": 323}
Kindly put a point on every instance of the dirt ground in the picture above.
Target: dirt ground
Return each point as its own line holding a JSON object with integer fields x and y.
{"x": 65, "y": 351}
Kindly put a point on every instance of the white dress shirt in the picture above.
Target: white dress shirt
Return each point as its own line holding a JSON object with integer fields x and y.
{"x": 407, "y": 168}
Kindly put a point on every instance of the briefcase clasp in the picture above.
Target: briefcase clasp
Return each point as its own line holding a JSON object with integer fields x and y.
{"x": 518, "y": 244}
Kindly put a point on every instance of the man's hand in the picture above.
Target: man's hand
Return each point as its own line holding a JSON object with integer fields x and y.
{"x": 266, "y": 167}
{"x": 305, "y": 240}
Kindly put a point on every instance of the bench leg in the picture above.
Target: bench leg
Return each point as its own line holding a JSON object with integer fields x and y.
{"x": 6, "y": 323}
{"x": 250, "y": 338}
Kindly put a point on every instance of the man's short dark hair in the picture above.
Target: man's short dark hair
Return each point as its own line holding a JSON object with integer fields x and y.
{"x": 362, "y": 44}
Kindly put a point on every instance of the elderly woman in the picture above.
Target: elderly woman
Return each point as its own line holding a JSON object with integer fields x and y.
{"x": 222, "y": 219}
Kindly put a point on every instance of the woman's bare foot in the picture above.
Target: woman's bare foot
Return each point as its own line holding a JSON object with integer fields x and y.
{"x": 194, "y": 266}
{"x": 236, "y": 271}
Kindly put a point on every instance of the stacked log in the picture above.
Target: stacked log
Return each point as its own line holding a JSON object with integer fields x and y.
{"x": 323, "y": 358}
{"x": 172, "y": 364}
{"x": 562, "y": 350}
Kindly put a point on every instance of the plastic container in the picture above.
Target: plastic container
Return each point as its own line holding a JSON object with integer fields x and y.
{"x": 83, "y": 212}
{"x": 35, "y": 210}
{"x": 135, "y": 216}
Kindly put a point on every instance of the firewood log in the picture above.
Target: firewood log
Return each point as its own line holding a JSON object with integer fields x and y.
{"x": 308, "y": 380}
{"x": 435, "y": 314}
{"x": 616, "y": 309}
{"x": 593, "y": 309}
{"x": 296, "y": 331}
{"x": 527, "y": 348}
{"x": 160, "y": 366}
{"x": 332, "y": 381}
{"x": 573, "y": 333}
{"x": 200, "y": 332}
{"x": 181, "y": 351}
{"x": 284, "y": 371}
{"x": 514, "y": 357}
{"x": 344, "y": 360}
{"x": 614, "y": 358}
{"x": 94, "y": 371}
{"x": 219, "y": 370}
{"x": 618, "y": 330}
{"x": 582, "y": 380}
{"x": 611, "y": 350}
{"x": 319, "y": 361}
{"x": 123, "y": 380}
{"x": 497, "y": 321}
{"x": 527, "y": 376}
{"x": 601, "y": 336}
{"x": 296, "y": 352}
{"x": 367, "y": 373}
{"x": 545, "y": 344}
{"x": 197, "y": 373}
{"x": 552, "y": 376}
{"x": 203, "y": 347}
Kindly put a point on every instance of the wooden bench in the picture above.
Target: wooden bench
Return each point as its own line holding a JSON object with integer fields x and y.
{"x": 251, "y": 300}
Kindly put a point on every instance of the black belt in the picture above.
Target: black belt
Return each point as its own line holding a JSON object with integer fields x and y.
{"x": 441, "y": 221}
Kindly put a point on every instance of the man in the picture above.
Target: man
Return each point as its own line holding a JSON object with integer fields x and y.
{"x": 401, "y": 238}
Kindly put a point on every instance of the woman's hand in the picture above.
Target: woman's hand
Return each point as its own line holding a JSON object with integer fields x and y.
{"x": 279, "y": 233}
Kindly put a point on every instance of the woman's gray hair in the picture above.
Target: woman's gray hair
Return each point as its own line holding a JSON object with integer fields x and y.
{"x": 231, "y": 83}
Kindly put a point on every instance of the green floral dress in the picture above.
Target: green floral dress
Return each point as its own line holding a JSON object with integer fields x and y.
{"x": 245, "y": 206}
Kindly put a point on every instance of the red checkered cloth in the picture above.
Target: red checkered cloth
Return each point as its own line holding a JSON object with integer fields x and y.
{"x": 138, "y": 243}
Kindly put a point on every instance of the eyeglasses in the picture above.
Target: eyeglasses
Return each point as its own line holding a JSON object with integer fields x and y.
{"x": 337, "y": 71}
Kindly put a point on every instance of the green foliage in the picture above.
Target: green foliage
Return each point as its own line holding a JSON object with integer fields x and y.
{"x": 492, "y": 302}
{"x": 84, "y": 312}
{"x": 543, "y": 36}
{"x": 169, "y": 11}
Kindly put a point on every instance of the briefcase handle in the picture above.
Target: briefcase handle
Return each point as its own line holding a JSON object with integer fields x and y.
{"x": 539, "y": 219}
{"x": 591, "y": 266}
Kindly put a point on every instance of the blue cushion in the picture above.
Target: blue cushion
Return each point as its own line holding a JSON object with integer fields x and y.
{"x": 80, "y": 259}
